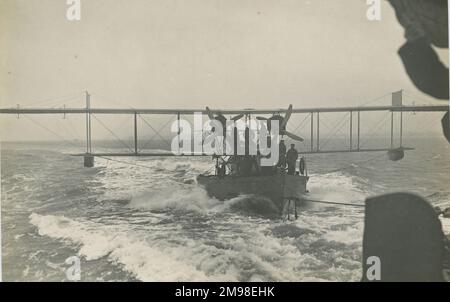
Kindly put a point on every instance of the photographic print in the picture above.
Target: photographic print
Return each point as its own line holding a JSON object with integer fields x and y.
{"x": 224, "y": 141}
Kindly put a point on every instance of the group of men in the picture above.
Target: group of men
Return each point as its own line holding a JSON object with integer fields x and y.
{"x": 247, "y": 165}
{"x": 288, "y": 158}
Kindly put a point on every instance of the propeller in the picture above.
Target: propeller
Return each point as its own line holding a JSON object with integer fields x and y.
{"x": 286, "y": 117}
{"x": 222, "y": 120}
{"x": 283, "y": 120}
{"x": 219, "y": 117}
{"x": 209, "y": 113}
{"x": 283, "y": 123}
{"x": 293, "y": 136}
{"x": 237, "y": 117}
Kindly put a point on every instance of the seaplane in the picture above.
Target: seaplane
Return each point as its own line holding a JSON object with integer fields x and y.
{"x": 239, "y": 173}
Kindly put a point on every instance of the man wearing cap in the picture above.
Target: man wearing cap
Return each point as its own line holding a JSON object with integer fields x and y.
{"x": 291, "y": 158}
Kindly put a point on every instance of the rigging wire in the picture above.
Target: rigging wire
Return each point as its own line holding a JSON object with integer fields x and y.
{"x": 413, "y": 96}
{"x": 374, "y": 131}
{"x": 120, "y": 126}
{"x": 73, "y": 128}
{"x": 337, "y": 128}
{"x": 66, "y": 128}
{"x": 61, "y": 104}
{"x": 374, "y": 100}
{"x": 113, "y": 134}
{"x": 51, "y": 131}
{"x": 113, "y": 100}
{"x": 157, "y": 134}
{"x": 156, "y": 131}
{"x": 301, "y": 123}
{"x": 56, "y": 99}
{"x": 324, "y": 123}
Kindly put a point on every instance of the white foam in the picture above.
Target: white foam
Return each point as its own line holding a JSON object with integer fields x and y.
{"x": 445, "y": 225}
{"x": 96, "y": 241}
{"x": 336, "y": 187}
{"x": 164, "y": 255}
{"x": 188, "y": 198}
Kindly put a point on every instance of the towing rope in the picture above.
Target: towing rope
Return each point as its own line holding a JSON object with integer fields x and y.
{"x": 334, "y": 203}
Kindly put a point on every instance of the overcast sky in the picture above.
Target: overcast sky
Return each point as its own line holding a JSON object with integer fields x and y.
{"x": 184, "y": 54}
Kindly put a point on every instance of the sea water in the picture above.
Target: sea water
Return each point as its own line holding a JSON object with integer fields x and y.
{"x": 147, "y": 219}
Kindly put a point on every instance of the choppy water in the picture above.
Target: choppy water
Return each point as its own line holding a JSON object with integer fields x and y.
{"x": 152, "y": 222}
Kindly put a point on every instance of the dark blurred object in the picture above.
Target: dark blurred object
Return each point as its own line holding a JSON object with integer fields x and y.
{"x": 425, "y": 69}
{"x": 446, "y": 126}
{"x": 426, "y": 24}
{"x": 404, "y": 231}
{"x": 423, "y": 19}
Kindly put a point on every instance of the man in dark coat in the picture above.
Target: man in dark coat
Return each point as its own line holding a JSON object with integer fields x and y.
{"x": 291, "y": 158}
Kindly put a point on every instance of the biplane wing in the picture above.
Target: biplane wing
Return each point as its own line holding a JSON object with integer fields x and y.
{"x": 396, "y": 107}
{"x": 23, "y": 110}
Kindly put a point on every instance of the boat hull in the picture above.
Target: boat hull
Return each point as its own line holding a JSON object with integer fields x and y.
{"x": 278, "y": 187}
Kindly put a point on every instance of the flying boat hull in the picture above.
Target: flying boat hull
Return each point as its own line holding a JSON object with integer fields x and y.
{"x": 278, "y": 188}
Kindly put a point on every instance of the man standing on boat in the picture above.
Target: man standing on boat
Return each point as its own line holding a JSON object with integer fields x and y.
{"x": 291, "y": 158}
